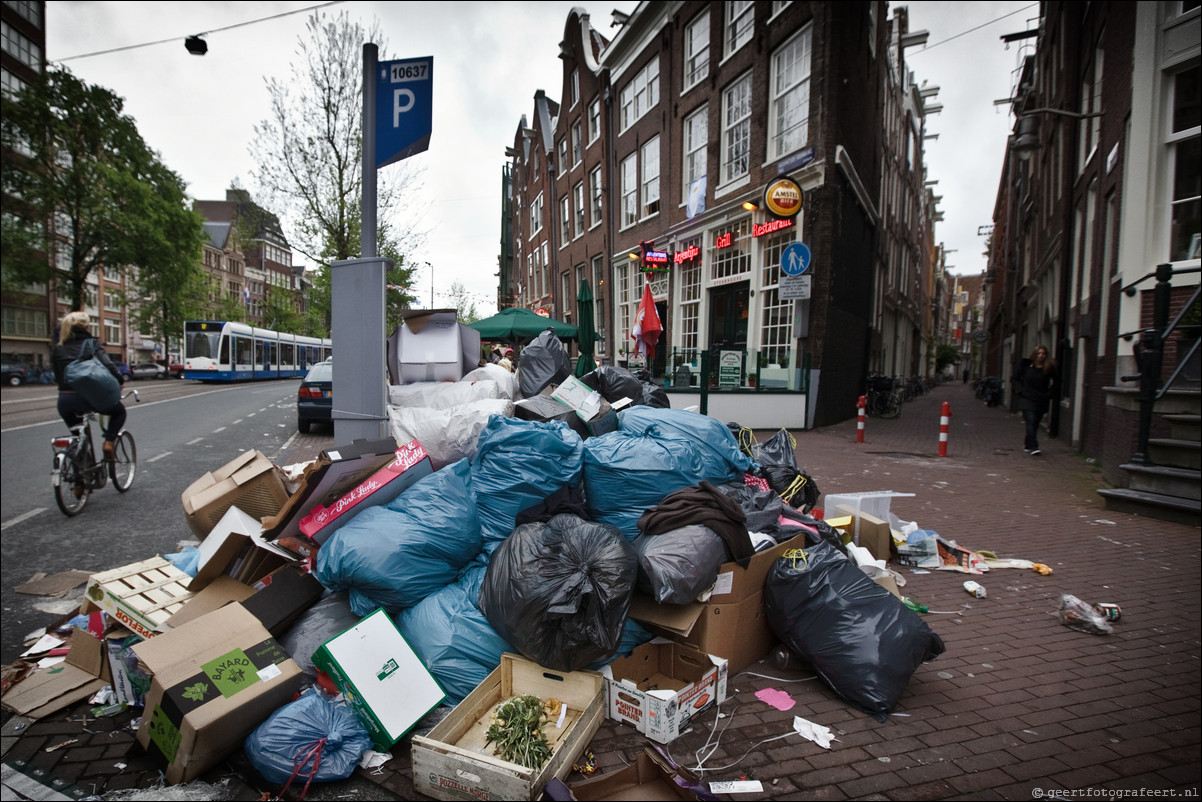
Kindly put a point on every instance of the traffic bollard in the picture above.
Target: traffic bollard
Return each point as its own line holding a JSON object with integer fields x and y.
{"x": 861, "y": 405}
{"x": 943, "y": 416}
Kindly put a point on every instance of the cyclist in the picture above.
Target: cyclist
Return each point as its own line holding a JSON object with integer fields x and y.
{"x": 74, "y": 332}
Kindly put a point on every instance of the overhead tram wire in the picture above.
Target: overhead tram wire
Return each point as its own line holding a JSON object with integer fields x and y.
{"x": 976, "y": 28}
{"x": 204, "y": 33}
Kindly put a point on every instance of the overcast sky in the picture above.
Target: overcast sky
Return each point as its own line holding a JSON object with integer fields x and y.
{"x": 489, "y": 59}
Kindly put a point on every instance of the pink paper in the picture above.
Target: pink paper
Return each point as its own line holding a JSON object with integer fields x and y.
{"x": 778, "y": 699}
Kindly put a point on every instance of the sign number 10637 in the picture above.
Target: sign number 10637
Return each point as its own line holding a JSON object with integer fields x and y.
{"x": 410, "y": 71}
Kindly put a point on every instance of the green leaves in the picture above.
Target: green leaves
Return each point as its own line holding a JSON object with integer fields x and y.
{"x": 517, "y": 731}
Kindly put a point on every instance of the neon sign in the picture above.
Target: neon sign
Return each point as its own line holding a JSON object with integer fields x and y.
{"x": 724, "y": 240}
{"x": 691, "y": 252}
{"x": 760, "y": 229}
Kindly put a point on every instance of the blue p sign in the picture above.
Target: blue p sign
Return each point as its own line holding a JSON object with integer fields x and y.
{"x": 404, "y": 108}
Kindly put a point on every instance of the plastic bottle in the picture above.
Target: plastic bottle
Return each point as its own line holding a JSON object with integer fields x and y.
{"x": 913, "y": 605}
{"x": 786, "y": 659}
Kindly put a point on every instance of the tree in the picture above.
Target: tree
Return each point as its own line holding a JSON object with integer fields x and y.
{"x": 73, "y": 157}
{"x": 946, "y": 354}
{"x": 465, "y": 307}
{"x": 309, "y": 157}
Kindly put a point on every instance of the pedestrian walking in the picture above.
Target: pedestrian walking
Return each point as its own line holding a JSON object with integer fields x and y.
{"x": 1034, "y": 382}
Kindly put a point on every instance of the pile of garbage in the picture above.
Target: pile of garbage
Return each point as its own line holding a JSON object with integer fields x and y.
{"x": 508, "y": 515}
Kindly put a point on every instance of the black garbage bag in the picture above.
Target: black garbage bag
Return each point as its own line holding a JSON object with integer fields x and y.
{"x": 778, "y": 450}
{"x": 614, "y": 383}
{"x": 653, "y": 394}
{"x": 676, "y": 567}
{"x": 795, "y": 486}
{"x": 560, "y": 591}
{"x": 858, "y": 636}
{"x": 544, "y": 361}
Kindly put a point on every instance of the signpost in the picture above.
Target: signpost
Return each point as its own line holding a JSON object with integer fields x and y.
{"x": 404, "y": 108}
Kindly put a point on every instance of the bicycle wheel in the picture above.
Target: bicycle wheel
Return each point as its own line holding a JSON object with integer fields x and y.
{"x": 71, "y": 491}
{"x": 125, "y": 462}
{"x": 891, "y": 405}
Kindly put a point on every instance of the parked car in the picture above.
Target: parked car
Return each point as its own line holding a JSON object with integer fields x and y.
{"x": 147, "y": 370}
{"x": 175, "y": 370}
{"x": 16, "y": 373}
{"x": 313, "y": 403}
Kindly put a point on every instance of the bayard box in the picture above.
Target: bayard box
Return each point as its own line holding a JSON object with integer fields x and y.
{"x": 216, "y": 678}
{"x": 453, "y": 762}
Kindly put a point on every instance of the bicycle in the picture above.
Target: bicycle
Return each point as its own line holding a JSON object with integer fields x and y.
{"x": 883, "y": 400}
{"x": 76, "y": 472}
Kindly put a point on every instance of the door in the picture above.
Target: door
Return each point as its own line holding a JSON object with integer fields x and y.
{"x": 728, "y": 325}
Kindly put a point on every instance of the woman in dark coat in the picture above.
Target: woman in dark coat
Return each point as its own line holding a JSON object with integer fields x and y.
{"x": 1033, "y": 382}
{"x": 74, "y": 332}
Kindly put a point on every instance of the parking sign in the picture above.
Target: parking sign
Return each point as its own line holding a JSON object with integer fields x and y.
{"x": 404, "y": 108}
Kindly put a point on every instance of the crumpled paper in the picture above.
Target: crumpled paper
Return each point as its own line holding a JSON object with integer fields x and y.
{"x": 371, "y": 759}
{"x": 815, "y": 732}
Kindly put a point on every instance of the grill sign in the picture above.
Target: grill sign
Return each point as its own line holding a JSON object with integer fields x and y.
{"x": 783, "y": 197}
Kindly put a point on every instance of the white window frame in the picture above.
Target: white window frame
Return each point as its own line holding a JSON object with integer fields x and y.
{"x": 596, "y": 199}
{"x": 562, "y": 166}
{"x": 536, "y": 214}
{"x": 736, "y": 130}
{"x": 649, "y": 178}
{"x": 574, "y": 88}
{"x": 697, "y": 50}
{"x": 641, "y": 94}
{"x": 739, "y": 25}
{"x": 1175, "y": 144}
{"x": 594, "y": 121}
{"x": 695, "y": 144}
{"x": 789, "y": 95}
{"x": 630, "y": 191}
{"x": 565, "y": 220}
{"x": 578, "y": 202}
{"x": 577, "y": 144}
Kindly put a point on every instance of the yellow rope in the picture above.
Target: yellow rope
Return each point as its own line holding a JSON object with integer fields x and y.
{"x": 747, "y": 442}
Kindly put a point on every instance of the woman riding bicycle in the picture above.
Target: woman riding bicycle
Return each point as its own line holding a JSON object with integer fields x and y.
{"x": 74, "y": 333}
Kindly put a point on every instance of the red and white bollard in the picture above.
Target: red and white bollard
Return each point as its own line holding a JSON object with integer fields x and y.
{"x": 943, "y": 416}
{"x": 861, "y": 405}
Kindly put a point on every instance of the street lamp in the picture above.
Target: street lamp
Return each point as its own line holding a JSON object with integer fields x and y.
{"x": 1026, "y": 135}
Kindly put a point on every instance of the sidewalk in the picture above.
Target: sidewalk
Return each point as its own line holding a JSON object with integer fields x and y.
{"x": 1019, "y": 705}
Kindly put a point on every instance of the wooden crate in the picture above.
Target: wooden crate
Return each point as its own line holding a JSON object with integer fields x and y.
{"x": 141, "y": 596}
{"x": 452, "y": 761}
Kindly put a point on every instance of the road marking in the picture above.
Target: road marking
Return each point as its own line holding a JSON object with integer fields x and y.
{"x": 22, "y": 517}
{"x": 222, "y": 429}
{"x": 158, "y": 457}
{"x": 194, "y": 441}
{"x": 235, "y": 423}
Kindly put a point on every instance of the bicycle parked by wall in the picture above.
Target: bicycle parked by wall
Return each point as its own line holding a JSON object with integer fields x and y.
{"x": 883, "y": 399}
{"x": 77, "y": 472}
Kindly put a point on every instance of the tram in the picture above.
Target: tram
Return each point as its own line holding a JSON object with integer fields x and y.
{"x": 227, "y": 351}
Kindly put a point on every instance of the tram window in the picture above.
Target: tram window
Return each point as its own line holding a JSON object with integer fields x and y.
{"x": 225, "y": 351}
{"x": 287, "y": 356}
{"x": 242, "y": 347}
{"x": 200, "y": 345}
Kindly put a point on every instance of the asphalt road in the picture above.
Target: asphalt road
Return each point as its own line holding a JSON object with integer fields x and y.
{"x": 182, "y": 430}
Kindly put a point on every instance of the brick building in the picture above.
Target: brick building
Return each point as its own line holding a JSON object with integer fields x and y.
{"x": 679, "y": 135}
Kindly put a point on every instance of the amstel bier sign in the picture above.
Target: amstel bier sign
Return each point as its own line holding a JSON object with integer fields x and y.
{"x": 783, "y": 197}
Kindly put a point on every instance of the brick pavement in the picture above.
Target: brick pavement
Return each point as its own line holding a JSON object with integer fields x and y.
{"x": 1018, "y": 704}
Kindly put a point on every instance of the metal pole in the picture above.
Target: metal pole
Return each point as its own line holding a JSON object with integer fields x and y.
{"x": 367, "y": 232}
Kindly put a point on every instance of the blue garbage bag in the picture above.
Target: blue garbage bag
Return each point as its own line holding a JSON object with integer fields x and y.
{"x": 313, "y": 739}
{"x": 452, "y": 637}
{"x": 858, "y": 636}
{"x": 518, "y": 463}
{"x": 654, "y": 453}
{"x": 395, "y": 555}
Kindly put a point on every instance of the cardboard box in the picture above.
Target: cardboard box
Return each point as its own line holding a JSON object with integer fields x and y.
{"x": 251, "y": 481}
{"x": 648, "y": 778}
{"x": 216, "y": 678}
{"x": 48, "y": 690}
{"x": 737, "y": 631}
{"x": 281, "y": 597}
{"x": 453, "y": 762}
{"x": 432, "y": 345}
{"x": 141, "y": 596}
{"x": 334, "y": 473}
{"x": 410, "y": 463}
{"x": 234, "y": 548}
{"x": 874, "y": 534}
{"x": 545, "y": 408}
{"x": 384, "y": 681}
{"x": 661, "y": 685}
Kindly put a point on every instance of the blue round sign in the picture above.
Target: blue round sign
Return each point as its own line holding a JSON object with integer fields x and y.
{"x": 795, "y": 259}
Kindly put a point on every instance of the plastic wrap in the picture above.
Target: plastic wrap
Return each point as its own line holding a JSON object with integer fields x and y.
{"x": 442, "y": 395}
{"x": 519, "y": 463}
{"x": 290, "y": 742}
{"x": 560, "y": 591}
{"x": 507, "y": 382}
{"x": 678, "y": 566}
{"x": 332, "y": 615}
{"x": 858, "y": 636}
{"x": 395, "y": 555}
{"x": 448, "y": 435}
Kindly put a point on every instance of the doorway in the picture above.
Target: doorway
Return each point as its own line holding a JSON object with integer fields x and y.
{"x": 728, "y": 318}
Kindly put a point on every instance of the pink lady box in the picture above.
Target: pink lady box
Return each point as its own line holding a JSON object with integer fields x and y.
{"x": 410, "y": 464}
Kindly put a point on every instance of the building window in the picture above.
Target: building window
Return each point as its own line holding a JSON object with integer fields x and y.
{"x": 690, "y": 296}
{"x": 776, "y": 317}
{"x": 595, "y": 190}
{"x": 649, "y": 188}
{"x": 630, "y": 191}
{"x": 736, "y": 129}
{"x": 11, "y": 85}
{"x": 594, "y": 121}
{"x": 20, "y": 322}
{"x": 566, "y": 296}
{"x": 790, "y": 96}
{"x": 697, "y": 50}
{"x": 536, "y": 214}
{"x": 578, "y": 202}
{"x": 565, "y": 220}
{"x": 740, "y": 18}
{"x": 112, "y": 331}
{"x": 563, "y": 156}
{"x": 640, "y": 94}
{"x": 1185, "y": 146}
{"x": 30, "y": 10}
{"x": 623, "y": 307}
{"x": 577, "y": 143}
{"x": 598, "y": 304}
{"x": 696, "y": 136}
{"x": 20, "y": 47}
{"x": 574, "y": 88}
{"x": 730, "y": 251}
